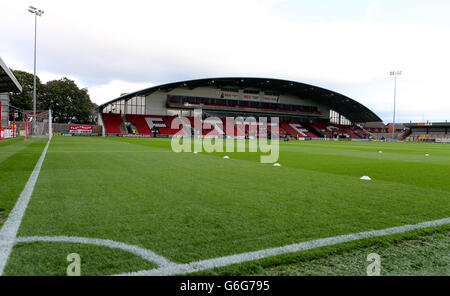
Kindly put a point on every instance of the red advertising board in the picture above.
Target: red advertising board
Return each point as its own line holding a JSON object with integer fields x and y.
{"x": 81, "y": 129}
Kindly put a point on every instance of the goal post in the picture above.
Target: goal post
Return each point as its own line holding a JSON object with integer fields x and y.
{"x": 39, "y": 125}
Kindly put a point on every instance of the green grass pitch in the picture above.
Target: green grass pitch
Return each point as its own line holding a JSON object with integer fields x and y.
{"x": 189, "y": 207}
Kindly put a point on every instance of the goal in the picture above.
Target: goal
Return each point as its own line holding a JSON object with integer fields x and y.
{"x": 39, "y": 124}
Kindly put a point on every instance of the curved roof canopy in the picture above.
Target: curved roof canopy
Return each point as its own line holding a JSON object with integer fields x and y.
{"x": 345, "y": 106}
{"x": 8, "y": 83}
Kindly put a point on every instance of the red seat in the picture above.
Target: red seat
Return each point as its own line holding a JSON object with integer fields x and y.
{"x": 140, "y": 123}
{"x": 295, "y": 128}
{"x": 112, "y": 122}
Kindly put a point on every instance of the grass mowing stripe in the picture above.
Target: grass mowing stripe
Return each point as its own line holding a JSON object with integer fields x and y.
{"x": 157, "y": 201}
{"x": 309, "y": 245}
{"x": 190, "y": 207}
{"x": 351, "y": 258}
{"x": 50, "y": 259}
{"x": 401, "y": 167}
{"x": 421, "y": 255}
{"x": 9, "y": 230}
{"x": 16, "y": 164}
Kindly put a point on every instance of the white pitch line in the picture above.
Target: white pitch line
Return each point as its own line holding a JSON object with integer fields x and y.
{"x": 9, "y": 230}
{"x": 138, "y": 251}
{"x": 112, "y": 151}
{"x": 250, "y": 256}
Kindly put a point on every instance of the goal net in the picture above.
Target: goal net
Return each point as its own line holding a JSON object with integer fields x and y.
{"x": 39, "y": 124}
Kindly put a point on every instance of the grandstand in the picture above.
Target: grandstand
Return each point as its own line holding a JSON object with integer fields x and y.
{"x": 428, "y": 132}
{"x": 411, "y": 132}
{"x": 305, "y": 111}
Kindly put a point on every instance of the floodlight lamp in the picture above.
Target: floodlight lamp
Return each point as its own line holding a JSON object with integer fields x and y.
{"x": 395, "y": 72}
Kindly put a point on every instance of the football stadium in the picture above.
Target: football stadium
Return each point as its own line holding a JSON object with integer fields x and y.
{"x": 343, "y": 185}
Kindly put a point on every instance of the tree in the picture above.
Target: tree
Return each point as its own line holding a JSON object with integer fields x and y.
{"x": 69, "y": 104}
{"x": 94, "y": 113}
{"x": 24, "y": 100}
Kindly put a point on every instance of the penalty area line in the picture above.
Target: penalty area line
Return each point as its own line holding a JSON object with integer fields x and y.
{"x": 9, "y": 230}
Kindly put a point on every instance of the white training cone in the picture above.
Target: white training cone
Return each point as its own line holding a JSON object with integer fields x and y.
{"x": 276, "y": 164}
{"x": 365, "y": 178}
{"x": 226, "y": 157}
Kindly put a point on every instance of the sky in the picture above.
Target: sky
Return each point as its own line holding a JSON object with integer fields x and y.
{"x": 348, "y": 46}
